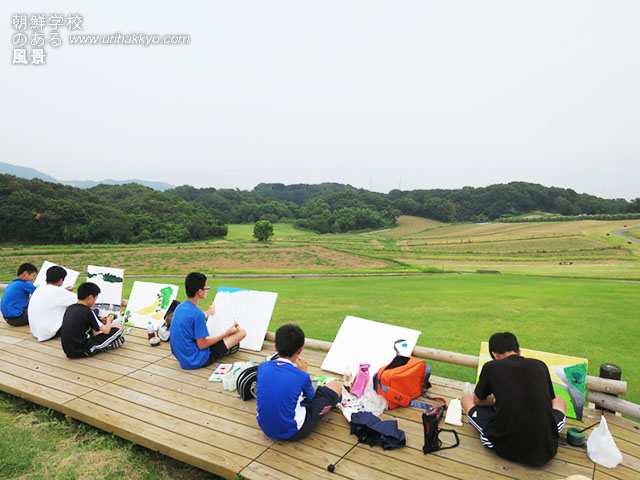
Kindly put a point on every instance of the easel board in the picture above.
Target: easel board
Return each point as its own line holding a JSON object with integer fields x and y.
{"x": 568, "y": 375}
{"x": 251, "y": 309}
{"x": 364, "y": 341}
{"x": 110, "y": 281}
{"x": 41, "y": 279}
{"x": 148, "y": 302}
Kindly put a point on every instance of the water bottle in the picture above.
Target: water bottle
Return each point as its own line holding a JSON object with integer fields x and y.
{"x": 467, "y": 389}
{"x": 150, "y": 331}
{"x": 348, "y": 378}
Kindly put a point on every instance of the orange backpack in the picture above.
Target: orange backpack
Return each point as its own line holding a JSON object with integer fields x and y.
{"x": 402, "y": 381}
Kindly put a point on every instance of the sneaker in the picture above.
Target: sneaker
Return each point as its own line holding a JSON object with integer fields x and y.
{"x": 163, "y": 332}
{"x": 117, "y": 343}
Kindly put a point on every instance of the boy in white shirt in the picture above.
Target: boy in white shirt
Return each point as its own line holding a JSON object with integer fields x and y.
{"x": 48, "y": 304}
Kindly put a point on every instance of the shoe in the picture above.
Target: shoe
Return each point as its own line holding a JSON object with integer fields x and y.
{"x": 163, "y": 332}
{"x": 117, "y": 343}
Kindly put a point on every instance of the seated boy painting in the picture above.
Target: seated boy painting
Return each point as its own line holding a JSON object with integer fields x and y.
{"x": 15, "y": 298}
{"x": 82, "y": 333}
{"x": 190, "y": 341}
{"x": 288, "y": 407}
{"x": 48, "y": 305}
{"x": 514, "y": 407}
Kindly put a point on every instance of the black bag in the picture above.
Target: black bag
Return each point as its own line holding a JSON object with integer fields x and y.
{"x": 430, "y": 420}
{"x": 246, "y": 383}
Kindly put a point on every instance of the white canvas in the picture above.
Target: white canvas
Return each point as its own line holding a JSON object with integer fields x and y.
{"x": 364, "y": 341}
{"x": 41, "y": 278}
{"x": 252, "y": 310}
{"x": 110, "y": 291}
{"x": 149, "y": 302}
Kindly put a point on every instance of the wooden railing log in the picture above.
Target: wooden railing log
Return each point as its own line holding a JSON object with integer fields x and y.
{"x": 612, "y": 387}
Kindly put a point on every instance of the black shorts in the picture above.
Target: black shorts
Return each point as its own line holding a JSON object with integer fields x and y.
{"x": 482, "y": 418}
{"x": 219, "y": 350}
{"x": 20, "y": 321}
{"x": 321, "y": 403}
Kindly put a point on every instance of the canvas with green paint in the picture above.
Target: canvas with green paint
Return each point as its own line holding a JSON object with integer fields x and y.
{"x": 148, "y": 302}
{"x": 111, "y": 281}
{"x": 568, "y": 375}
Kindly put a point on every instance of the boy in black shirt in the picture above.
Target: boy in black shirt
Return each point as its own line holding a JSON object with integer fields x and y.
{"x": 82, "y": 333}
{"x": 514, "y": 407}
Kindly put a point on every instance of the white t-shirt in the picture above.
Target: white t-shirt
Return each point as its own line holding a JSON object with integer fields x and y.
{"x": 46, "y": 309}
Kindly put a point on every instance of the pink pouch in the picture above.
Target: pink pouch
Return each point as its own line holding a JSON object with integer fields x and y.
{"x": 360, "y": 382}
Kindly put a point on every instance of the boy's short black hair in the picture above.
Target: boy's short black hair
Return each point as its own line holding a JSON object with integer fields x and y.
{"x": 27, "y": 267}
{"x": 194, "y": 282}
{"x": 55, "y": 274}
{"x": 86, "y": 289}
{"x": 289, "y": 339}
{"x": 503, "y": 342}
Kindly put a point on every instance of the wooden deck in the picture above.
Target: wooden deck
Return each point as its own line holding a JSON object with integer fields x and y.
{"x": 139, "y": 393}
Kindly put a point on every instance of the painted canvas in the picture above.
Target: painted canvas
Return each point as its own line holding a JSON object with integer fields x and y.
{"x": 252, "y": 309}
{"x": 149, "y": 302}
{"x": 111, "y": 281}
{"x": 41, "y": 278}
{"x": 568, "y": 375}
{"x": 364, "y": 341}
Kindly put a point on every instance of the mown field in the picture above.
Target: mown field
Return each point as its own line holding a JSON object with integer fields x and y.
{"x": 416, "y": 245}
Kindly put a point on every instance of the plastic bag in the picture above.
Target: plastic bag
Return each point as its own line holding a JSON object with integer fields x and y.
{"x": 373, "y": 402}
{"x": 370, "y": 401}
{"x": 230, "y": 378}
{"x": 601, "y": 447}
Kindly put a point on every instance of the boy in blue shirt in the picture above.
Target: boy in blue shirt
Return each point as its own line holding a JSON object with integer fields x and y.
{"x": 15, "y": 298}
{"x": 288, "y": 407}
{"x": 190, "y": 341}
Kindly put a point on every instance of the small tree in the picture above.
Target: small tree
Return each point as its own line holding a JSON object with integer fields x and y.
{"x": 262, "y": 230}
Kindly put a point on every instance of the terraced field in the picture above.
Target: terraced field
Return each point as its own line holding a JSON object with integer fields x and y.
{"x": 415, "y": 245}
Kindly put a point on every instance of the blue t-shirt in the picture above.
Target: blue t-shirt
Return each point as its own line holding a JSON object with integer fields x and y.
{"x": 280, "y": 391}
{"x": 16, "y": 297}
{"x": 187, "y": 325}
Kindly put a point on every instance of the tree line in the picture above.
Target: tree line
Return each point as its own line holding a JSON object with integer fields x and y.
{"x": 36, "y": 211}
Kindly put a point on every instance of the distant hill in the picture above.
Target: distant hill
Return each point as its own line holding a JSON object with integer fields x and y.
{"x": 29, "y": 173}
{"x": 25, "y": 172}
{"x": 161, "y": 186}
{"x": 34, "y": 210}
{"x": 301, "y": 192}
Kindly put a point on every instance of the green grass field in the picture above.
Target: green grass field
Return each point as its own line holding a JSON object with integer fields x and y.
{"x": 594, "y": 319}
{"x": 244, "y": 232}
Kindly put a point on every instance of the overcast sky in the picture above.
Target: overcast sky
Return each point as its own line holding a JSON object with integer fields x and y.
{"x": 377, "y": 94}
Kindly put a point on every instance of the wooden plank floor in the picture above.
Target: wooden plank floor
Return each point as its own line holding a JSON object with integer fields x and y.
{"x": 138, "y": 392}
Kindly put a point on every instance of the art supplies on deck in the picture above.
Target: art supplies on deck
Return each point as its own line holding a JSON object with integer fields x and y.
{"x": 229, "y": 380}
{"x": 220, "y": 372}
